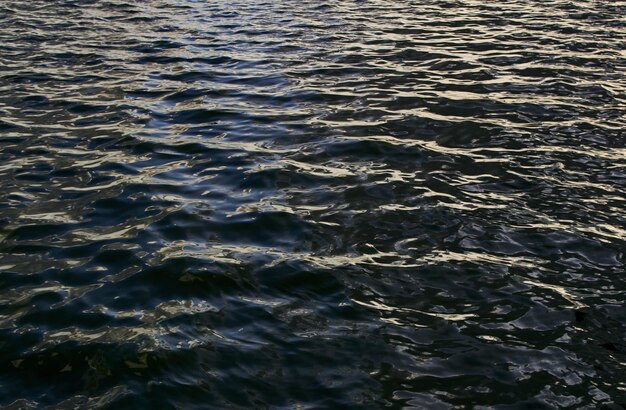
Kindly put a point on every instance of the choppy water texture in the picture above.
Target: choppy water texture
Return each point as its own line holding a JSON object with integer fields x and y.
{"x": 305, "y": 204}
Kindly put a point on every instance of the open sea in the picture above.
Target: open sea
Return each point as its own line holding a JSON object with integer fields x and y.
{"x": 304, "y": 204}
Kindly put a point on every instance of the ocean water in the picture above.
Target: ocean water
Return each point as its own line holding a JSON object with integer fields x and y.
{"x": 312, "y": 204}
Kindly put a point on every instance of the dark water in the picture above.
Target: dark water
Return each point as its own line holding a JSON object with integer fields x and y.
{"x": 305, "y": 204}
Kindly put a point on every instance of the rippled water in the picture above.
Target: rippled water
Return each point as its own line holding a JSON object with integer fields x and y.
{"x": 305, "y": 204}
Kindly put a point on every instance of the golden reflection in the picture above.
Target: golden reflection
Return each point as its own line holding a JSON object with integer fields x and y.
{"x": 562, "y": 291}
{"x": 394, "y": 309}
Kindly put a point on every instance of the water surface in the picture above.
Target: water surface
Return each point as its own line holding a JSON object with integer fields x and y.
{"x": 306, "y": 204}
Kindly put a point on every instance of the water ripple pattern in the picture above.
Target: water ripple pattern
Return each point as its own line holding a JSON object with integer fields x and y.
{"x": 307, "y": 204}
